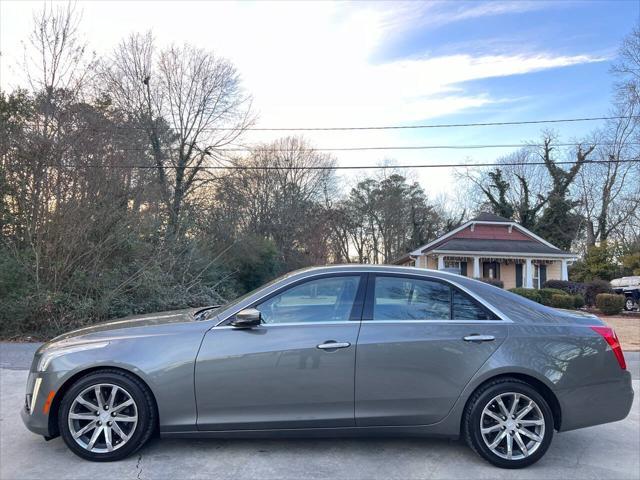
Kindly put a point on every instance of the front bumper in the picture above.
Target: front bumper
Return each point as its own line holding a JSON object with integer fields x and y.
{"x": 40, "y": 395}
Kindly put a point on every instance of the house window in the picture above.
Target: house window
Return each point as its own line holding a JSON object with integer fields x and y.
{"x": 539, "y": 275}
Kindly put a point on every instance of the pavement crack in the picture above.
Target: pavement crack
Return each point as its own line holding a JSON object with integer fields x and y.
{"x": 139, "y": 466}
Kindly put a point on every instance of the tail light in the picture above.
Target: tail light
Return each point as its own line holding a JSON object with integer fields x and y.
{"x": 612, "y": 339}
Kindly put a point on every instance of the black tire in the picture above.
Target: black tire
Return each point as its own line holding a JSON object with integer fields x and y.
{"x": 146, "y": 411}
{"x": 473, "y": 414}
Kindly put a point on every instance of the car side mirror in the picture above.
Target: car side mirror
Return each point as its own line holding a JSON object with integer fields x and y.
{"x": 247, "y": 318}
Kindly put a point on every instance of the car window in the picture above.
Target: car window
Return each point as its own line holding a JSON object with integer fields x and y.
{"x": 322, "y": 300}
{"x": 398, "y": 298}
{"x": 465, "y": 308}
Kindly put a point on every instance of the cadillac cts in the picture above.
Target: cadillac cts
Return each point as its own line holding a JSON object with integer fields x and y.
{"x": 336, "y": 351}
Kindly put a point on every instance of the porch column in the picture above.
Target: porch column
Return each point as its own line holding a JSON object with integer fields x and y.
{"x": 476, "y": 267}
{"x": 528, "y": 282}
{"x": 440, "y": 262}
{"x": 564, "y": 273}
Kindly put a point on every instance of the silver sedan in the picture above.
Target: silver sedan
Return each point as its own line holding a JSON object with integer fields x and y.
{"x": 336, "y": 351}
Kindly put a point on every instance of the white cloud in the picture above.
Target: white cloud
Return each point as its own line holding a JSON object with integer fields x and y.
{"x": 308, "y": 64}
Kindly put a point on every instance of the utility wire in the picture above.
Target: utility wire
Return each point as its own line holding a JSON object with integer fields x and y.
{"x": 399, "y": 127}
{"x": 343, "y": 167}
{"x": 351, "y": 149}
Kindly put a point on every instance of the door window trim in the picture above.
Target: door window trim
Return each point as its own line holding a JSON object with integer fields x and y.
{"x": 354, "y": 316}
{"x": 367, "y": 311}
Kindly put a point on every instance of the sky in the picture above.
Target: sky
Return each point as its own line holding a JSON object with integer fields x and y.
{"x": 327, "y": 64}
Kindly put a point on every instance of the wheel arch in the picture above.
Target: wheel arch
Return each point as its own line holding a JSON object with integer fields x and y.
{"x": 541, "y": 387}
{"x": 68, "y": 383}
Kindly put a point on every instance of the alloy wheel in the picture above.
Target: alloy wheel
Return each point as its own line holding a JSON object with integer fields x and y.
{"x": 512, "y": 426}
{"x": 103, "y": 418}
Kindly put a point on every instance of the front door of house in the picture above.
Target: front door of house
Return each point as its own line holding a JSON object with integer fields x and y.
{"x": 491, "y": 270}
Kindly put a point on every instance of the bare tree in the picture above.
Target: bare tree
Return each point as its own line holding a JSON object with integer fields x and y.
{"x": 55, "y": 56}
{"x": 610, "y": 193}
{"x": 190, "y": 104}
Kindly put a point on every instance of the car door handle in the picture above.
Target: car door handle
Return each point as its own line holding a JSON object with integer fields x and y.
{"x": 331, "y": 345}
{"x": 479, "y": 338}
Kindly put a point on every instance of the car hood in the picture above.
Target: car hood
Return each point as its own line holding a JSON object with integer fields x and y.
{"x": 121, "y": 325}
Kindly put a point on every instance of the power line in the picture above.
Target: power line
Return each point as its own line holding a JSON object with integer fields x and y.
{"x": 343, "y": 167}
{"x": 403, "y": 127}
{"x": 352, "y": 149}
{"x": 434, "y": 125}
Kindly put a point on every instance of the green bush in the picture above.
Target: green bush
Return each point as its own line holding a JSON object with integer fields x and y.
{"x": 578, "y": 301}
{"x": 609, "y": 303}
{"x": 567, "y": 286}
{"x": 593, "y": 288}
{"x": 547, "y": 293}
{"x": 561, "y": 301}
{"x": 530, "y": 293}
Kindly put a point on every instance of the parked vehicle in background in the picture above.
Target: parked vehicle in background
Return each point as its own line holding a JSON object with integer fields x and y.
{"x": 630, "y": 288}
{"x": 336, "y": 351}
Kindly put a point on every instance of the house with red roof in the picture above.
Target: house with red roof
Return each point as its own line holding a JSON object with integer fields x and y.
{"x": 494, "y": 247}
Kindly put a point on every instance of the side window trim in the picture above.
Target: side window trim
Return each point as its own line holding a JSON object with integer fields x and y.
{"x": 367, "y": 311}
{"x": 356, "y": 310}
{"x": 474, "y": 301}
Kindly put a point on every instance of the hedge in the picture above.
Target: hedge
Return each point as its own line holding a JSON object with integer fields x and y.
{"x": 609, "y": 303}
{"x": 530, "y": 293}
{"x": 593, "y": 288}
{"x": 567, "y": 286}
{"x": 551, "y": 297}
{"x": 578, "y": 301}
{"x": 547, "y": 293}
{"x": 561, "y": 301}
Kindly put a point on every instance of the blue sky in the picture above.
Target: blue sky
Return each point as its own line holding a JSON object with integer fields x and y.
{"x": 570, "y": 28}
{"x": 384, "y": 63}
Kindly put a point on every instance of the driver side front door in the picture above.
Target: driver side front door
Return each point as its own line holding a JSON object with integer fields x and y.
{"x": 295, "y": 370}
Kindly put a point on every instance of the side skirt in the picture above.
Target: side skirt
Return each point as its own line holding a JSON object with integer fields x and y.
{"x": 400, "y": 431}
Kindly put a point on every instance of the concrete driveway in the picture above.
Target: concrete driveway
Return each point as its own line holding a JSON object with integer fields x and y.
{"x": 609, "y": 451}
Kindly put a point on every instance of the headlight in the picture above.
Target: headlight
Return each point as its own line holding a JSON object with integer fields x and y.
{"x": 55, "y": 352}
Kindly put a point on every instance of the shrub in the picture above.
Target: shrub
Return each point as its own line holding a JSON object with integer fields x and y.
{"x": 572, "y": 288}
{"x": 547, "y": 293}
{"x": 609, "y": 303}
{"x": 593, "y": 288}
{"x": 529, "y": 293}
{"x": 492, "y": 281}
{"x": 561, "y": 301}
{"x": 578, "y": 301}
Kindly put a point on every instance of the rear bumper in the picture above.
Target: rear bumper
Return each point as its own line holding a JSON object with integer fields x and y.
{"x": 596, "y": 403}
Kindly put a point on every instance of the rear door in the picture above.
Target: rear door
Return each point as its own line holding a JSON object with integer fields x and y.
{"x": 295, "y": 370}
{"x": 421, "y": 341}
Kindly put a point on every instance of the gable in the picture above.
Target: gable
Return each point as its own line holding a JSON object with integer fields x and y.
{"x": 495, "y": 232}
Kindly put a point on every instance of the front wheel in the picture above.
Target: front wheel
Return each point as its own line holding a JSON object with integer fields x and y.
{"x": 106, "y": 416}
{"x": 508, "y": 423}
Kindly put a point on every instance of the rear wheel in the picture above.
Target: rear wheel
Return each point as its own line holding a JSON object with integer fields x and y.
{"x": 508, "y": 423}
{"x": 106, "y": 416}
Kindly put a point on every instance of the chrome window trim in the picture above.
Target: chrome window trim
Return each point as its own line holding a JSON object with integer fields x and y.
{"x": 423, "y": 273}
{"x": 293, "y": 280}
{"x": 502, "y": 317}
{"x": 448, "y": 322}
